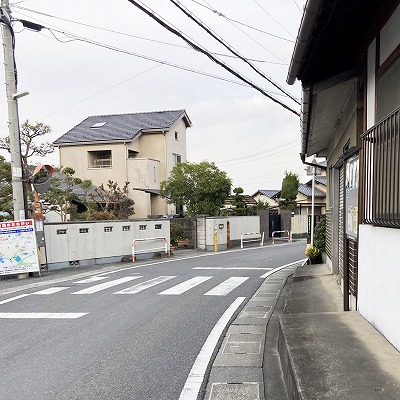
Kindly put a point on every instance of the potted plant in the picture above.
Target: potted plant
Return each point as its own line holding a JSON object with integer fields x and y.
{"x": 312, "y": 252}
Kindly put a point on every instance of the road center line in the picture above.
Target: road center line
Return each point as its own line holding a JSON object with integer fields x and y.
{"x": 39, "y": 315}
{"x": 236, "y": 268}
{"x": 14, "y": 298}
{"x": 196, "y": 375}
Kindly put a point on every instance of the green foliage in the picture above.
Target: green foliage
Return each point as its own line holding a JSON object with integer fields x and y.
{"x": 202, "y": 188}
{"x": 320, "y": 235}
{"x": 176, "y": 233}
{"x": 101, "y": 216}
{"x": 239, "y": 206}
{"x": 115, "y": 200}
{"x": 312, "y": 251}
{"x": 290, "y": 187}
{"x": 6, "y": 205}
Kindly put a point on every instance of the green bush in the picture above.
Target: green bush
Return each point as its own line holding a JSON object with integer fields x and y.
{"x": 319, "y": 235}
{"x": 176, "y": 233}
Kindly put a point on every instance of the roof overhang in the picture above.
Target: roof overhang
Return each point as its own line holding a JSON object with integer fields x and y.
{"x": 328, "y": 57}
{"x": 322, "y": 112}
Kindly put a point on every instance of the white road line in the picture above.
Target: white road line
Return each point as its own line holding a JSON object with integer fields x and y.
{"x": 52, "y": 290}
{"x": 14, "y": 298}
{"x": 187, "y": 285}
{"x": 92, "y": 279}
{"x": 236, "y": 268}
{"x": 279, "y": 268}
{"x": 106, "y": 285}
{"x": 227, "y": 286}
{"x": 39, "y": 315}
{"x": 145, "y": 285}
{"x": 196, "y": 376}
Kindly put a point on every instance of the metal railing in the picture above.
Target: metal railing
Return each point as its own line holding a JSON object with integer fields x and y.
{"x": 251, "y": 237}
{"x": 287, "y": 236}
{"x": 380, "y": 167}
{"x": 158, "y": 249}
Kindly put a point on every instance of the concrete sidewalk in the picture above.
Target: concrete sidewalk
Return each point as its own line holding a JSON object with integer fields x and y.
{"x": 330, "y": 354}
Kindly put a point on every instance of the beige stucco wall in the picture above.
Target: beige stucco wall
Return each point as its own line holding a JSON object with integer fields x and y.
{"x": 153, "y": 163}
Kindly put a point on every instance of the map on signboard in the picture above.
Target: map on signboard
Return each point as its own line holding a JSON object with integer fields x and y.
{"x": 18, "y": 248}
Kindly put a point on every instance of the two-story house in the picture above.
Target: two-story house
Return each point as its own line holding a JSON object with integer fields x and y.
{"x": 347, "y": 57}
{"x": 139, "y": 148}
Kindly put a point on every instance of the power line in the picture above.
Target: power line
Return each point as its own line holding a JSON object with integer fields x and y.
{"x": 266, "y": 12}
{"x": 220, "y": 14}
{"x": 127, "y": 34}
{"x": 230, "y": 48}
{"x": 151, "y": 14}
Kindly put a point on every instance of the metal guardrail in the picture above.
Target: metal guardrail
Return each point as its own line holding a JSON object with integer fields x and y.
{"x": 151, "y": 250}
{"x": 259, "y": 237}
{"x": 288, "y": 237}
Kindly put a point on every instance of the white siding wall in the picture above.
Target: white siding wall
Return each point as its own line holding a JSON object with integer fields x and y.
{"x": 379, "y": 280}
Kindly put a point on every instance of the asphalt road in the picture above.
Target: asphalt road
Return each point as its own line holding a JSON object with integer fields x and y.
{"x": 132, "y": 333}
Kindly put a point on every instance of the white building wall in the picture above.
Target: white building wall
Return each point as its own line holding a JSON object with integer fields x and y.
{"x": 379, "y": 280}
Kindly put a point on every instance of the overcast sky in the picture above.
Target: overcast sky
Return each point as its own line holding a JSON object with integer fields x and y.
{"x": 245, "y": 133}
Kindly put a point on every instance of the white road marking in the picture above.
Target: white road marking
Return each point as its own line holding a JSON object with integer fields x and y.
{"x": 52, "y": 290}
{"x": 237, "y": 268}
{"x": 266, "y": 275}
{"x": 196, "y": 376}
{"x": 227, "y": 286}
{"x": 92, "y": 279}
{"x": 14, "y": 298}
{"x": 187, "y": 285}
{"x": 106, "y": 285}
{"x": 39, "y": 315}
{"x": 145, "y": 285}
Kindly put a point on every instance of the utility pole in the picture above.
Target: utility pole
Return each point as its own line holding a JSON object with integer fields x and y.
{"x": 13, "y": 120}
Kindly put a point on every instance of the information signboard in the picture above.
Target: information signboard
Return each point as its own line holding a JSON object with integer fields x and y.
{"x": 18, "y": 247}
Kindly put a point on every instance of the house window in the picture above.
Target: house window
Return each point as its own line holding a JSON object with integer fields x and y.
{"x": 100, "y": 159}
{"x": 158, "y": 226}
{"x": 177, "y": 158}
{"x": 176, "y": 135}
{"x": 380, "y": 171}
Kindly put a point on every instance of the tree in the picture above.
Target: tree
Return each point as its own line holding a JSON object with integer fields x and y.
{"x": 60, "y": 195}
{"x": 6, "y": 204}
{"x": 290, "y": 188}
{"x": 239, "y": 206}
{"x": 29, "y": 134}
{"x": 114, "y": 202}
{"x": 202, "y": 188}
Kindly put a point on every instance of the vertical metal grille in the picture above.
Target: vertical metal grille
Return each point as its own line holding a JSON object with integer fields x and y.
{"x": 340, "y": 222}
{"x": 353, "y": 267}
{"x": 381, "y": 167}
{"x": 328, "y": 234}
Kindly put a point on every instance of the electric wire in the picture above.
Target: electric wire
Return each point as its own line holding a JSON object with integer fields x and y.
{"x": 220, "y": 14}
{"x": 151, "y": 14}
{"x": 266, "y": 12}
{"x": 190, "y": 15}
{"x": 130, "y": 35}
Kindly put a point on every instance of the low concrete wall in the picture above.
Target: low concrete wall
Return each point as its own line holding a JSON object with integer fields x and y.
{"x": 99, "y": 242}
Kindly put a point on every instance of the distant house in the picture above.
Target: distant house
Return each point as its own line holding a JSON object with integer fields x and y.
{"x": 347, "y": 57}
{"x": 303, "y": 199}
{"x": 267, "y": 196}
{"x": 139, "y": 148}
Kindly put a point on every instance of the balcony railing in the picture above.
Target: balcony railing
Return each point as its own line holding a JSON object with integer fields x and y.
{"x": 100, "y": 163}
{"x": 380, "y": 173}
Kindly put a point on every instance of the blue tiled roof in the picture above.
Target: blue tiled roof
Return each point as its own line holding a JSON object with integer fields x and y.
{"x": 269, "y": 193}
{"x": 120, "y": 127}
{"x": 307, "y": 191}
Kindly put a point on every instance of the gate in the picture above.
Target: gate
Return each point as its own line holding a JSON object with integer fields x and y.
{"x": 274, "y": 222}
